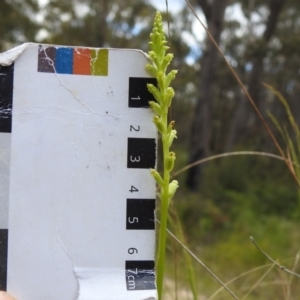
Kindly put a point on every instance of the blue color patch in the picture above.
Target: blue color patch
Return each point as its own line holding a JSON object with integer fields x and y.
{"x": 64, "y": 61}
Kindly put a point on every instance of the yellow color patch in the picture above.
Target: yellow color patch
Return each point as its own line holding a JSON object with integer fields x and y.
{"x": 99, "y": 62}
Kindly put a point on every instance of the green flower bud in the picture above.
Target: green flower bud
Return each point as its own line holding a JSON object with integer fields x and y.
{"x": 166, "y": 61}
{"x": 169, "y": 165}
{"x": 173, "y": 186}
{"x": 158, "y": 20}
{"x": 154, "y": 91}
{"x": 172, "y": 136}
{"x": 170, "y": 77}
{"x": 159, "y": 124}
{"x": 171, "y": 125}
{"x": 169, "y": 96}
{"x": 161, "y": 80}
{"x": 155, "y": 107}
{"x": 153, "y": 55}
{"x": 157, "y": 177}
{"x": 151, "y": 69}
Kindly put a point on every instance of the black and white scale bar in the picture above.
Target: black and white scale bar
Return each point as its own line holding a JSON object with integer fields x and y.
{"x": 3, "y": 258}
{"x": 140, "y": 214}
{"x": 139, "y": 96}
{"x": 140, "y": 275}
{"x": 6, "y": 96}
{"x": 6, "y": 99}
{"x": 141, "y": 153}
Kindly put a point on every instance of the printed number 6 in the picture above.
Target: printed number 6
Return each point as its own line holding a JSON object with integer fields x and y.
{"x": 132, "y": 250}
{"x": 135, "y": 159}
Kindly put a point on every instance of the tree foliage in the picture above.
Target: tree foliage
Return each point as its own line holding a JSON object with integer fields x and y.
{"x": 17, "y": 23}
{"x": 99, "y": 23}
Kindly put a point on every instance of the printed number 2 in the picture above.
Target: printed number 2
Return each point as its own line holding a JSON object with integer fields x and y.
{"x": 132, "y": 128}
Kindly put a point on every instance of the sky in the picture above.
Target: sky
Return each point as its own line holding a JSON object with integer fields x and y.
{"x": 174, "y": 5}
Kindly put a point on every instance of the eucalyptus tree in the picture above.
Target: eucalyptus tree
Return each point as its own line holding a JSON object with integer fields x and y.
{"x": 201, "y": 127}
{"x": 244, "y": 116}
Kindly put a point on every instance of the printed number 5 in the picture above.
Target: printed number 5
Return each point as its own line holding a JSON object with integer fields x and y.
{"x": 135, "y": 159}
{"x": 133, "y": 220}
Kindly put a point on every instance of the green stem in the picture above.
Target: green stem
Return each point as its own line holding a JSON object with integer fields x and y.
{"x": 162, "y": 248}
{"x": 163, "y": 212}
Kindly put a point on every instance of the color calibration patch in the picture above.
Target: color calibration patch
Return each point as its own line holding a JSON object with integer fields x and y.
{"x": 77, "y": 61}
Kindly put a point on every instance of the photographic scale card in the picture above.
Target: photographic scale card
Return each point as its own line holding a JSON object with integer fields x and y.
{"x": 77, "y": 202}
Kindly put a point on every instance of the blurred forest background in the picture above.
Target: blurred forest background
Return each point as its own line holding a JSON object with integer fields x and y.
{"x": 221, "y": 202}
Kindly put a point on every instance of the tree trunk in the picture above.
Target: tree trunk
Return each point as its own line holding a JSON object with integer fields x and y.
{"x": 244, "y": 116}
{"x": 201, "y": 126}
{"x": 102, "y": 12}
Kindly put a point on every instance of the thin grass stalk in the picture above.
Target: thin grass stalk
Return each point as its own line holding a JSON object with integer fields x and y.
{"x": 227, "y": 154}
{"x": 236, "y": 278}
{"x": 203, "y": 265}
{"x": 293, "y": 148}
{"x": 258, "y": 282}
{"x": 190, "y": 269}
{"x": 272, "y": 260}
{"x": 291, "y": 277}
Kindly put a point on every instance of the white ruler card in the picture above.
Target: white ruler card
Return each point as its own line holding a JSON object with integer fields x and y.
{"x": 77, "y": 202}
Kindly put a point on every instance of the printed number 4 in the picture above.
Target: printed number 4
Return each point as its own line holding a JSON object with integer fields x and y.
{"x": 133, "y": 189}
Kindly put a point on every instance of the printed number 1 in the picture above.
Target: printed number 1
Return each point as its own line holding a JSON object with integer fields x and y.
{"x": 135, "y": 98}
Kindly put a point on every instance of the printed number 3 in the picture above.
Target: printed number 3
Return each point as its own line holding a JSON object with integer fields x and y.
{"x": 135, "y": 159}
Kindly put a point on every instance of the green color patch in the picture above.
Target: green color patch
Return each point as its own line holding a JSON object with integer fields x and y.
{"x": 99, "y": 62}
